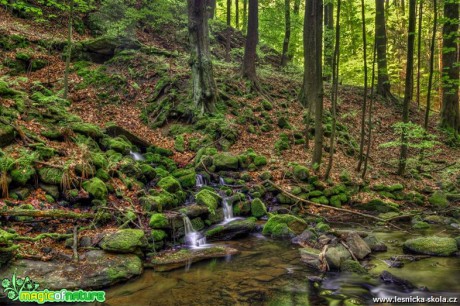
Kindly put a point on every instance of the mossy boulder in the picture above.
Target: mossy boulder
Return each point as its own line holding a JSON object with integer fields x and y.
{"x": 158, "y": 235}
{"x": 159, "y": 221}
{"x": 23, "y": 174}
{"x": 87, "y": 129}
{"x": 284, "y": 225}
{"x": 231, "y": 230}
{"x": 260, "y": 161}
{"x": 96, "y": 188}
{"x": 434, "y": 246}
{"x": 148, "y": 171}
{"x": 379, "y": 206}
{"x": 124, "y": 241}
{"x": 52, "y": 176}
{"x": 165, "y": 200}
{"x": 117, "y": 144}
{"x": 301, "y": 173}
{"x": 420, "y": 225}
{"x": 186, "y": 177}
{"x": 7, "y": 135}
{"x": 208, "y": 198}
{"x": 320, "y": 200}
{"x": 352, "y": 266}
{"x": 439, "y": 199}
{"x": 258, "y": 208}
{"x": 170, "y": 184}
{"x": 225, "y": 161}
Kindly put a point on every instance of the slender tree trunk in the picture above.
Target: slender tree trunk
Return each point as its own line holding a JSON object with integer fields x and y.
{"x": 212, "y": 8}
{"x": 335, "y": 89}
{"x": 408, "y": 86}
{"x": 204, "y": 86}
{"x": 237, "y": 14}
{"x": 249, "y": 60}
{"x": 245, "y": 15}
{"x": 229, "y": 31}
{"x": 383, "y": 80}
{"x": 419, "y": 49}
{"x": 430, "y": 77}
{"x": 328, "y": 38}
{"x": 69, "y": 51}
{"x": 313, "y": 72}
{"x": 363, "y": 115}
{"x": 287, "y": 32}
{"x": 450, "y": 67}
{"x": 369, "y": 121}
{"x": 293, "y": 43}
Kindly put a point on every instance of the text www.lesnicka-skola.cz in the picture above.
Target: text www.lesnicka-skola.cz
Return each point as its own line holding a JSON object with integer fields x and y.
{"x": 416, "y": 299}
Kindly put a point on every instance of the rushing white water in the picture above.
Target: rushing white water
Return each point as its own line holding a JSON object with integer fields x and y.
{"x": 221, "y": 181}
{"x": 193, "y": 238}
{"x": 228, "y": 210}
{"x": 200, "y": 181}
{"x": 136, "y": 156}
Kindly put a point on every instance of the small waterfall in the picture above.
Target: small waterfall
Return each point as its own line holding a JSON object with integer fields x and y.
{"x": 200, "y": 181}
{"x": 136, "y": 156}
{"x": 221, "y": 181}
{"x": 228, "y": 210}
{"x": 193, "y": 238}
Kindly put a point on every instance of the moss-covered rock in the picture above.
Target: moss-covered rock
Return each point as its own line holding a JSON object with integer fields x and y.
{"x": 7, "y": 135}
{"x": 225, "y": 161}
{"x": 301, "y": 173}
{"x": 434, "y": 246}
{"x": 170, "y": 184}
{"x": 320, "y": 200}
{"x": 158, "y": 235}
{"x": 260, "y": 161}
{"x": 23, "y": 174}
{"x": 267, "y": 105}
{"x": 124, "y": 241}
{"x": 148, "y": 171}
{"x": 352, "y": 266}
{"x": 420, "y": 225}
{"x": 208, "y": 198}
{"x": 258, "y": 208}
{"x": 439, "y": 199}
{"x": 323, "y": 227}
{"x": 117, "y": 144}
{"x": 87, "y": 129}
{"x": 50, "y": 175}
{"x": 284, "y": 225}
{"x": 379, "y": 206}
{"x": 96, "y": 188}
{"x": 159, "y": 221}
{"x": 179, "y": 143}
{"x": 165, "y": 200}
{"x": 231, "y": 230}
{"x": 186, "y": 177}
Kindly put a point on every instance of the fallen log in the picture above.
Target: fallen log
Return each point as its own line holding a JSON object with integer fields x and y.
{"x": 54, "y": 213}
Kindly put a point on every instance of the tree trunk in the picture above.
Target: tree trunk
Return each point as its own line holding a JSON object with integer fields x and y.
{"x": 287, "y": 32}
{"x": 450, "y": 67}
{"x": 369, "y": 120}
{"x": 363, "y": 115}
{"x": 383, "y": 81}
{"x": 335, "y": 89}
{"x": 419, "y": 49}
{"x": 430, "y": 77}
{"x": 211, "y": 8}
{"x": 237, "y": 14}
{"x": 229, "y": 32}
{"x": 313, "y": 72}
{"x": 69, "y": 51}
{"x": 249, "y": 60}
{"x": 408, "y": 85}
{"x": 204, "y": 86}
{"x": 245, "y": 15}
{"x": 295, "y": 37}
{"x": 328, "y": 38}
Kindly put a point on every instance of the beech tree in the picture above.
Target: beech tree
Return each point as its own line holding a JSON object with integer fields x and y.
{"x": 450, "y": 66}
{"x": 228, "y": 31}
{"x": 287, "y": 32}
{"x": 328, "y": 37}
{"x": 204, "y": 86}
{"x": 383, "y": 81}
{"x": 252, "y": 37}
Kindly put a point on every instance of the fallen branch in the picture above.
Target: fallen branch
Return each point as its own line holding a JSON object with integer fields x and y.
{"x": 75, "y": 244}
{"x": 54, "y": 236}
{"x": 348, "y": 249}
{"x": 329, "y": 207}
{"x": 54, "y": 213}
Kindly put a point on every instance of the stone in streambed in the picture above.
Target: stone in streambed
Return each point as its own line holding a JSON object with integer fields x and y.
{"x": 434, "y": 246}
{"x": 357, "y": 245}
{"x": 231, "y": 230}
{"x": 124, "y": 241}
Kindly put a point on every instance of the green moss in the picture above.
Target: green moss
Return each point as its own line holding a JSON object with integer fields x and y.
{"x": 186, "y": 177}
{"x": 301, "y": 173}
{"x": 124, "y": 241}
{"x": 267, "y": 105}
{"x": 439, "y": 199}
{"x": 260, "y": 161}
{"x": 283, "y": 123}
{"x": 315, "y": 194}
{"x": 7, "y": 135}
{"x": 323, "y": 227}
{"x": 278, "y": 224}
{"x": 225, "y": 161}
{"x": 320, "y": 200}
{"x": 179, "y": 143}
{"x": 51, "y": 176}
{"x": 197, "y": 223}
{"x": 23, "y": 174}
{"x": 87, "y": 129}
{"x": 352, "y": 267}
{"x": 335, "y": 201}
{"x": 380, "y": 206}
{"x": 170, "y": 184}
{"x": 435, "y": 246}
{"x": 420, "y": 225}
{"x": 117, "y": 144}
{"x": 258, "y": 208}
{"x": 148, "y": 171}
{"x": 159, "y": 221}
{"x": 158, "y": 235}
{"x": 96, "y": 188}
{"x": 209, "y": 199}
